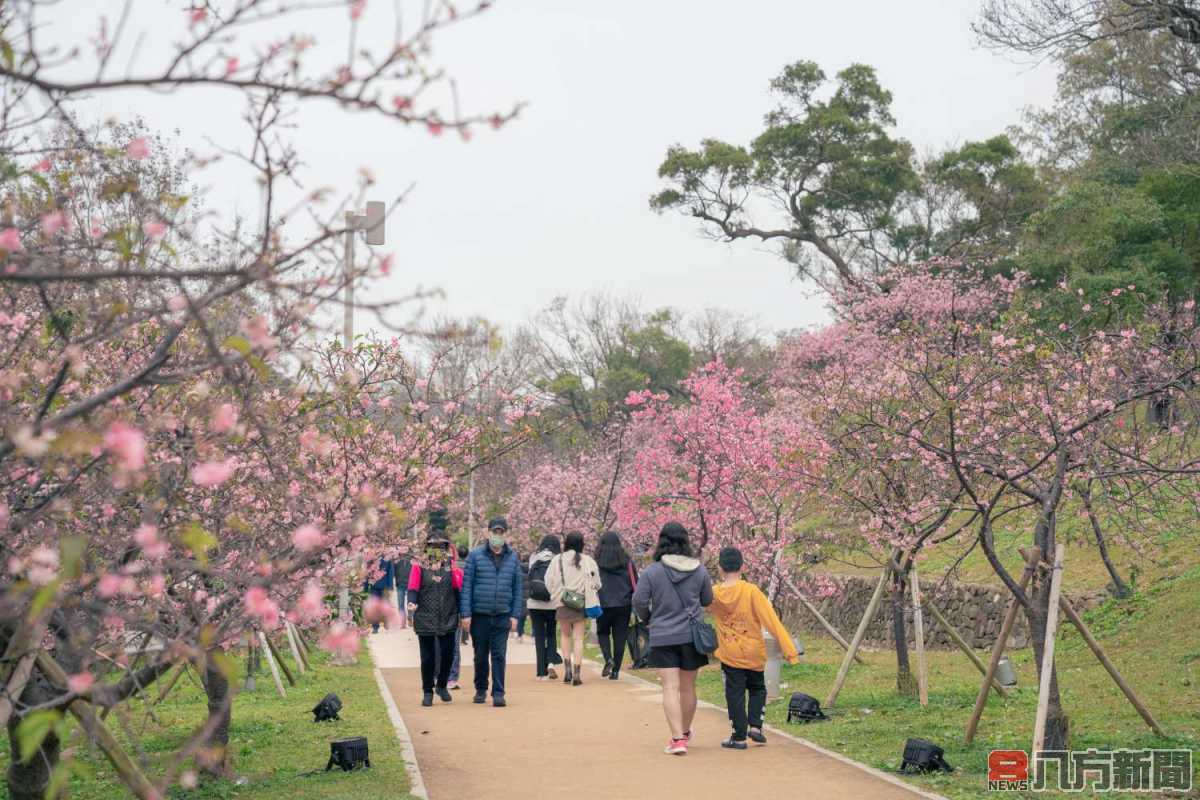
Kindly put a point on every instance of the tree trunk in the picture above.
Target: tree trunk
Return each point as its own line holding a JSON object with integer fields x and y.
{"x": 214, "y": 758}
{"x": 29, "y": 781}
{"x": 906, "y": 682}
{"x": 1057, "y": 724}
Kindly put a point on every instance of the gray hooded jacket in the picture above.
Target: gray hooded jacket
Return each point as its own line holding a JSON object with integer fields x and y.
{"x": 670, "y": 594}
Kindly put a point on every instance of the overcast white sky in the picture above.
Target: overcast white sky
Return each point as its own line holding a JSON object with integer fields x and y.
{"x": 557, "y": 202}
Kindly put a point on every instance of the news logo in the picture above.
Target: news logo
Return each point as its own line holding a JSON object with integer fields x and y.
{"x": 1090, "y": 770}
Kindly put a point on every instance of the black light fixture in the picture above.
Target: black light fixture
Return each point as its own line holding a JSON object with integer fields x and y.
{"x": 804, "y": 708}
{"x": 348, "y": 753}
{"x": 327, "y": 710}
{"x": 922, "y": 755}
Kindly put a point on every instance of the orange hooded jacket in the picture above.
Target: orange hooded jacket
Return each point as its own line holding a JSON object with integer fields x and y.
{"x": 741, "y": 611}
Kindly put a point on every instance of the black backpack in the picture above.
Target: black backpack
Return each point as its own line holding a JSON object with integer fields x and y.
{"x": 804, "y": 708}
{"x": 537, "y": 582}
{"x": 922, "y": 755}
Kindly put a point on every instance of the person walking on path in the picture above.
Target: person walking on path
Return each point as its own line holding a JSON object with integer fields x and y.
{"x": 671, "y": 593}
{"x": 524, "y": 598}
{"x": 461, "y": 638}
{"x": 741, "y": 611}
{"x": 618, "y": 577}
{"x": 491, "y": 604}
{"x": 542, "y": 608}
{"x": 574, "y": 582}
{"x": 381, "y": 587}
{"x": 434, "y": 591}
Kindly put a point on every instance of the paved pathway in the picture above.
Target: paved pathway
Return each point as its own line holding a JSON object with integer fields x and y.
{"x": 601, "y": 740}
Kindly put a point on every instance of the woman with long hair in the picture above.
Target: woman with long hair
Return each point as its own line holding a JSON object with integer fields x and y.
{"x": 542, "y": 607}
{"x": 672, "y": 592}
{"x": 618, "y": 577}
{"x": 573, "y": 580}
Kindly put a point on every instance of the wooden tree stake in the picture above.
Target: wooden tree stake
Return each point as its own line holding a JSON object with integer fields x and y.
{"x": 1010, "y": 617}
{"x": 279, "y": 658}
{"x": 303, "y": 648}
{"x": 287, "y": 629}
{"x": 128, "y": 771}
{"x": 1078, "y": 622}
{"x": 832, "y": 631}
{"x": 1043, "y": 706}
{"x": 919, "y": 636}
{"x": 858, "y": 636}
{"x": 962, "y": 645}
{"x": 266, "y": 651}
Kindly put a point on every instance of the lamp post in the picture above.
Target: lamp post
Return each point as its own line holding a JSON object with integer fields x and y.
{"x": 371, "y": 222}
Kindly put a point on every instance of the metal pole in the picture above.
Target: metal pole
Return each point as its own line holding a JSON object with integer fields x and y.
{"x": 347, "y": 344}
{"x": 471, "y": 512}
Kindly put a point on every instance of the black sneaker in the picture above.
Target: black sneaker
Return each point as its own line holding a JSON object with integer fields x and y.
{"x": 498, "y": 702}
{"x": 480, "y": 697}
{"x": 734, "y": 744}
{"x": 614, "y": 676}
{"x": 427, "y": 699}
{"x": 604, "y": 673}
{"x": 444, "y": 694}
{"x": 756, "y": 735}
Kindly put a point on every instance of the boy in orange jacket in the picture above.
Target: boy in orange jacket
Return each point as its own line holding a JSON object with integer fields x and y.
{"x": 741, "y": 611}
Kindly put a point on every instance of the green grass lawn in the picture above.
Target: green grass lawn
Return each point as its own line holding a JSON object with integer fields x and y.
{"x": 1150, "y": 637}
{"x": 278, "y": 752}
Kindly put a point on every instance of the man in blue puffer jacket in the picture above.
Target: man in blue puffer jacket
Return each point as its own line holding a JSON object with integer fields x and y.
{"x": 491, "y": 604}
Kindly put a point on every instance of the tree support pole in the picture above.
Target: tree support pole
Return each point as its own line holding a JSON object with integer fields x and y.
{"x": 1043, "y": 706}
{"x": 129, "y": 772}
{"x": 287, "y": 629}
{"x": 832, "y": 631}
{"x": 279, "y": 658}
{"x": 1006, "y": 627}
{"x": 919, "y": 636}
{"x": 262, "y": 637}
{"x": 1097, "y": 651}
{"x": 868, "y": 615}
{"x": 962, "y": 645}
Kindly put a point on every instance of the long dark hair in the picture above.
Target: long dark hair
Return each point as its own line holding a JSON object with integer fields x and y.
{"x": 610, "y": 553}
{"x": 550, "y": 542}
{"x": 574, "y": 541}
{"x": 672, "y": 541}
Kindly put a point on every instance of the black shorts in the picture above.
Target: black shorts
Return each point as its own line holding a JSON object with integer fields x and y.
{"x": 677, "y": 656}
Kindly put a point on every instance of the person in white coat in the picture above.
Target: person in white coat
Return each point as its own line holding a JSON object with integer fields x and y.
{"x": 573, "y": 575}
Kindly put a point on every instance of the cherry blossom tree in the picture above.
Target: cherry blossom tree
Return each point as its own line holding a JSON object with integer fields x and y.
{"x": 179, "y": 464}
{"x": 733, "y": 472}
{"x": 1012, "y": 413}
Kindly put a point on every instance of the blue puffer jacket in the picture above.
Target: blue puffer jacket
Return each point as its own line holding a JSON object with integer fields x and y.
{"x": 491, "y": 589}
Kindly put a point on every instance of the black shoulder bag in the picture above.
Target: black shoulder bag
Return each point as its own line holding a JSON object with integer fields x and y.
{"x": 704, "y": 638}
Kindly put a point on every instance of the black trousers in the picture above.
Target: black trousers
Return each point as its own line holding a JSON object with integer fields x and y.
{"x": 435, "y": 672}
{"x": 740, "y": 685}
{"x": 614, "y": 623}
{"x": 543, "y": 623}
{"x": 489, "y": 637}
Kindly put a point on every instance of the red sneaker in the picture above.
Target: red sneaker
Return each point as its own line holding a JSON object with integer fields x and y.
{"x": 677, "y": 747}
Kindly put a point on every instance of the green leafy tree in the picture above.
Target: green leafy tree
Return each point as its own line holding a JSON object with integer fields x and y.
{"x": 822, "y": 180}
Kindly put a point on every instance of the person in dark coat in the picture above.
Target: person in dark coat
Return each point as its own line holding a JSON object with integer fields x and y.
{"x": 491, "y": 604}
{"x": 617, "y": 579}
{"x": 384, "y": 584}
{"x": 434, "y": 591}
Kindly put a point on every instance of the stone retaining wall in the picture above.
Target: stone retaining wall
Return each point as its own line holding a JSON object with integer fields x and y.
{"x": 975, "y": 610}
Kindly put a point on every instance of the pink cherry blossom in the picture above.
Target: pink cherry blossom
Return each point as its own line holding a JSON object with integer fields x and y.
{"x": 42, "y": 166}
{"x": 231, "y": 66}
{"x": 10, "y": 240}
{"x": 177, "y": 303}
{"x": 53, "y": 222}
{"x": 138, "y": 149}
{"x": 213, "y": 473}
{"x": 356, "y": 8}
{"x": 342, "y": 640}
{"x": 80, "y": 682}
{"x": 127, "y": 445}
{"x": 224, "y": 418}
{"x": 154, "y": 229}
{"x": 307, "y": 537}
{"x": 259, "y": 605}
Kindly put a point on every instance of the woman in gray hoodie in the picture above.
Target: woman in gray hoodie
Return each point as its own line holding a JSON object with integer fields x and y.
{"x": 670, "y": 594}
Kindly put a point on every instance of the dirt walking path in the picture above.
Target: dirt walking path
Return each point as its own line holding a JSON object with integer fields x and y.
{"x": 601, "y": 740}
